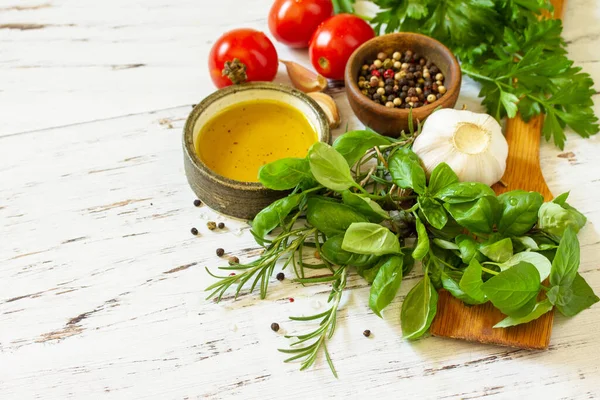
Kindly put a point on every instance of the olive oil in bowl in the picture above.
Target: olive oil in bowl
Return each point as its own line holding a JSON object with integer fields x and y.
{"x": 241, "y": 138}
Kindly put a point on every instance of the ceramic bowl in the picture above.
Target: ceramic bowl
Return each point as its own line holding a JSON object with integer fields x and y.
{"x": 392, "y": 121}
{"x": 227, "y": 196}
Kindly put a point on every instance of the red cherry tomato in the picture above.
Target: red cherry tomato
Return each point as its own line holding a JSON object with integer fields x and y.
{"x": 293, "y": 22}
{"x": 335, "y": 41}
{"x": 253, "y": 50}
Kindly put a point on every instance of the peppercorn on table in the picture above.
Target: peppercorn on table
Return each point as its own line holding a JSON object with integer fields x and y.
{"x": 102, "y": 281}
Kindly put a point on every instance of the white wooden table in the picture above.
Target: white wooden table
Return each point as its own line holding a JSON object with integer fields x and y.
{"x": 101, "y": 282}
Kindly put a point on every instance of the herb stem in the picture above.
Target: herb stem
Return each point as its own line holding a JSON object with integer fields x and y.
{"x": 489, "y": 271}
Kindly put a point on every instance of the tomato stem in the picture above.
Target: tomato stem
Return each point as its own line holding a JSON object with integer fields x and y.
{"x": 324, "y": 63}
{"x": 236, "y": 71}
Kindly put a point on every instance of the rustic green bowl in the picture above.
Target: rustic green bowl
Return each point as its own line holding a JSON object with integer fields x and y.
{"x": 227, "y": 196}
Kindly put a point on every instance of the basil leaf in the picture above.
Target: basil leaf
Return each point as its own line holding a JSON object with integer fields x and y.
{"x": 386, "y": 284}
{"x": 418, "y": 309}
{"x": 513, "y": 288}
{"x": 406, "y": 152}
{"x": 555, "y": 217}
{"x": 409, "y": 261}
{"x": 407, "y": 173}
{"x": 422, "y": 247}
{"x": 575, "y": 299}
{"x": 353, "y": 145}
{"x": 442, "y": 176}
{"x": 284, "y": 174}
{"x": 471, "y": 283}
{"x": 540, "y": 309}
{"x": 478, "y": 216}
{"x": 444, "y": 244}
{"x": 369, "y": 273}
{"x": 452, "y": 286}
{"x": 273, "y": 215}
{"x": 527, "y": 242}
{"x": 330, "y": 217}
{"x": 541, "y": 263}
{"x": 499, "y": 251}
{"x": 329, "y": 167}
{"x": 469, "y": 248}
{"x": 332, "y": 251}
{"x": 519, "y": 211}
{"x": 365, "y": 206}
{"x": 566, "y": 260}
{"x": 433, "y": 211}
{"x": 464, "y": 192}
{"x": 369, "y": 238}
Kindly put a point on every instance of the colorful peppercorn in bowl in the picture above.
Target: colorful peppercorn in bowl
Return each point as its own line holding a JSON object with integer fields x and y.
{"x": 391, "y": 75}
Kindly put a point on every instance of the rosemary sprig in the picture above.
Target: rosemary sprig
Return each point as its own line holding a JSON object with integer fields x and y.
{"x": 308, "y": 354}
{"x": 288, "y": 243}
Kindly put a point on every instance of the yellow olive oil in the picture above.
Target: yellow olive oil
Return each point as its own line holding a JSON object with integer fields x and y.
{"x": 240, "y": 139}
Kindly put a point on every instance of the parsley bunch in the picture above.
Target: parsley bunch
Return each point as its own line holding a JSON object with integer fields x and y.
{"x": 512, "y": 49}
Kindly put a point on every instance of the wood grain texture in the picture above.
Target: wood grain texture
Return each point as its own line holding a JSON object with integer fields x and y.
{"x": 101, "y": 282}
{"x": 475, "y": 323}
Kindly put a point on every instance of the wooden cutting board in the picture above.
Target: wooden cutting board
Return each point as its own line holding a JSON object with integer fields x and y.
{"x": 456, "y": 320}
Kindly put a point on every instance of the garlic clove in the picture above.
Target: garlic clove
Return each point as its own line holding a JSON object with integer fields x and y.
{"x": 303, "y": 78}
{"x": 472, "y": 144}
{"x": 329, "y": 107}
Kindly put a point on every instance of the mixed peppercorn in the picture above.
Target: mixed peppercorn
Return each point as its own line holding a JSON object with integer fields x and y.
{"x": 402, "y": 80}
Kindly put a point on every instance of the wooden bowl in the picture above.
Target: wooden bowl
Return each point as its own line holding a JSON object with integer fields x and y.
{"x": 392, "y": 121}
{"x": 227, "y": 196}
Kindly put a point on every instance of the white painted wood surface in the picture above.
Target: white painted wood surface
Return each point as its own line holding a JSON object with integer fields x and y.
{"x": 101, "y": 283}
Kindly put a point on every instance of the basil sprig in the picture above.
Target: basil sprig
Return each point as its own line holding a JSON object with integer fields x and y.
{"x": 366, "y": 205}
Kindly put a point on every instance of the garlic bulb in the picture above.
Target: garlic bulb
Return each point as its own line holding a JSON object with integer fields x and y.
{"x": 471, "y": 144}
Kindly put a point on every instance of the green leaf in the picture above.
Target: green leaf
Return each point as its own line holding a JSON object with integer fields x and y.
{"x": 332, "y": 251}
{"x": 509, "y": 101}
{"x": 407, "y": 173}
{"x": 433, "y": 211}
{"x": 471, "y": 283}
{"x": 273, "y": 216}
{"x": 519, "y": 211}
{"x": 477, "y": 216}
{"x": 329, "y": 167}
{"x": 499, "y": 251}
{"x": 554, "y": 218}
{"x": 422, "y": 247}
{"x": 469, "y": 248}
{"x": 527, "y": 242}
{"x": 369, "y": 273}
{"x": 386, "y": 284}
{"x": 330, "y": 217}
{"x": 464, "y": 192}
{"x": 562, "y": 276}
{"x": 343, "y": 6}
{"x": 284, "y": 174}
{"x": 541, "y": 263}
{"x": 452, "y": 286}
{"x": 540, "y": 309}
{"x": 575, "y": 299}
{"x": 566, "y": 260}
{"x": 513, "y": 288}
{"x": 369, "y": 238}
{"x": 365, "y": 206}
{"x": 353, "y": 145}
{"x": 442, "y": 176}
{"x": 418, "y": 309}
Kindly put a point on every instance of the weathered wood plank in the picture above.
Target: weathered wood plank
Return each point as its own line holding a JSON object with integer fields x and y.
{"x": 101, "y": 281}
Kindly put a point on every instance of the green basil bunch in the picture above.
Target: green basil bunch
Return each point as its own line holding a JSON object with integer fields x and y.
{"x": 365, "y": 204}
